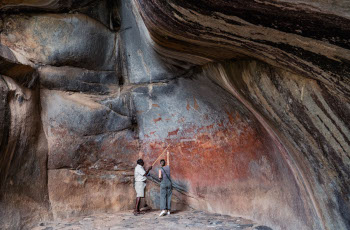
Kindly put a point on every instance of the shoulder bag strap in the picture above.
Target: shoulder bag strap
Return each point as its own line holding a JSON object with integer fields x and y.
{"x": 167, "y": 175}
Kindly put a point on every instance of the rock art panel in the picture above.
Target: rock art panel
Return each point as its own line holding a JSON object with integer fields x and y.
{"x": 310, "y": 119}
{"x": 283, "y": 34}
{"x": 88, "y": 87}
{"x": 221, "y": 156}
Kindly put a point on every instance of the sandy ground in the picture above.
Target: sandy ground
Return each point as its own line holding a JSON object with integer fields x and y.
{"x": 151, "y": 220}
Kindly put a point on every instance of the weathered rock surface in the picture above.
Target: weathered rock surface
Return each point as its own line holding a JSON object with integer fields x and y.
{"x": 42, "y": 4}
{"x": 59, "y": 40}
{"x": 103, "y": 11}
{"x": 310, "y": 118}
{"x": 4, "y": 128}
{"x": 250, "y": 97}
{"x": 23, "y": 168}
{"x": 139, "y": 61}
{"x": 78, "y": 80}
{"x": 307, "y": 118}
{"x": 220, "y": 152}
{"x": 12, "y": 67}
{"x": 72, "y": 123}
{"x": 74, "y": 193}
{"x": 304, "y": 39}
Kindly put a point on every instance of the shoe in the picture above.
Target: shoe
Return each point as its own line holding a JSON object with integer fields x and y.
{"x": 163, "y": 213}
{"x": 168, "y": 213}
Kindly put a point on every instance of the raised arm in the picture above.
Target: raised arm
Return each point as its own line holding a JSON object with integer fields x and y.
{"x": 146, "y": 172}
{"x": 168, "y": 158}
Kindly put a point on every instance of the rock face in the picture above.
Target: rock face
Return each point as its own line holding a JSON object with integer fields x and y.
{"x": 54, "y": 39}
{"x": 307, "y": 40}
{"x": 23, "y": 157}
{"x": 250, "y": 97}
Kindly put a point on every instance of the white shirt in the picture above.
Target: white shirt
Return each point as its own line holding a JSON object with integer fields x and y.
{"x": 139, "y": 173}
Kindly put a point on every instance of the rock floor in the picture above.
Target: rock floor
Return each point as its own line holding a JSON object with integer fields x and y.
{"x": 151, "y": 220}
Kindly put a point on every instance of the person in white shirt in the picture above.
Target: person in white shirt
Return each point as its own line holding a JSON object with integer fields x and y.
{"x": 140, "y": 184}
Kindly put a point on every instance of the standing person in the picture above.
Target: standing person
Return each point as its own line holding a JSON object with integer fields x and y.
{"x": 165, "y": 187}
{"x": 140, "y": 184}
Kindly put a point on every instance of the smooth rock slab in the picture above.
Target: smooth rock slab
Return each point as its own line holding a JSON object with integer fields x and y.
{"x": 56, "y": 39}
{"x": 79, "y": 129}
{"x": 151, "y": 220}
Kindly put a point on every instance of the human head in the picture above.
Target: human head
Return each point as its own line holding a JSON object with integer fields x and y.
{"x": 162, "y": 162}
{"x": 140, "y": 162}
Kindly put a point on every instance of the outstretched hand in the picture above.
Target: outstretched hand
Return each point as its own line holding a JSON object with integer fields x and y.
{"x": 150, "y": 168}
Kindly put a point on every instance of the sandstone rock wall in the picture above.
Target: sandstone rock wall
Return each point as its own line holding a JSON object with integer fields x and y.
{"x": 24, "y": 193}
{"x": 303, "y": 38}
{"x": 250, "y": 97}
{"x": 313, "y": 133}
{"x": 306, "y": 112}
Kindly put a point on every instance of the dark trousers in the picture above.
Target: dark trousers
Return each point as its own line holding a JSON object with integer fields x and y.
{"x": 165, "y": 196}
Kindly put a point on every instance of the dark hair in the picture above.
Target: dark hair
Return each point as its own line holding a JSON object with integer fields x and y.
{"x": 139, "y": 161}
{"x": 162, "y": 160}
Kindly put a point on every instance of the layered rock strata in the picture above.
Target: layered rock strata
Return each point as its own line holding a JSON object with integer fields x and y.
{"x": 250, "y": 97}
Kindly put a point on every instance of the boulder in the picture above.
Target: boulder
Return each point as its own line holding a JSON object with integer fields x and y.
{"x": 55, "y": 39}
{"x": 76, "y": 125}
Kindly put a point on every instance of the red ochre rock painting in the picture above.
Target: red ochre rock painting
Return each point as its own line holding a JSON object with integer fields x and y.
{"x": 157, "y": 119}
{"x": 225, "y": 166}
{"x": 251, "y": 98}
{"x": 225, "y": 155}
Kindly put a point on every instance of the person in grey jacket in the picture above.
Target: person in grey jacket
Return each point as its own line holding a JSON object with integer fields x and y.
{"x": 165, "y": 186}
